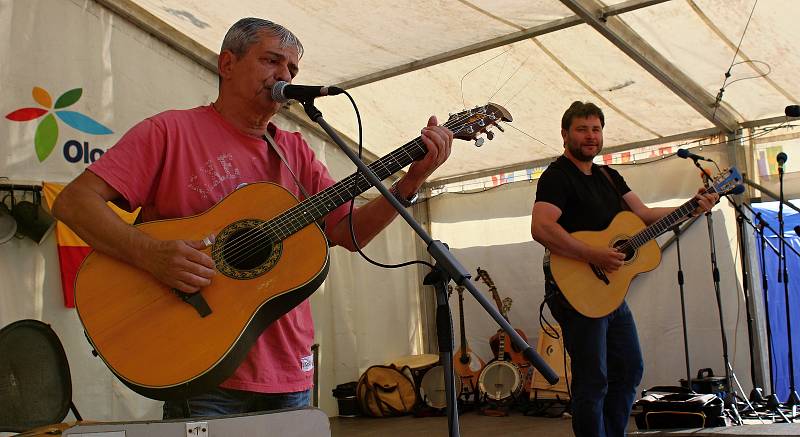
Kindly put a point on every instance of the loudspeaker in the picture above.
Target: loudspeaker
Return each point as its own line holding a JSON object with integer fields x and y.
{"x": 552, "y": 351}
{"x": 32, "y": 220}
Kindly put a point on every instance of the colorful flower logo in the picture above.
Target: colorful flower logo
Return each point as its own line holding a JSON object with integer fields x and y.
{"x": 47, "y": 130}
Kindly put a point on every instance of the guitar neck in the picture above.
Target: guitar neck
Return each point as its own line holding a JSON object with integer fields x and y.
{"x": 501, "y": 348}
{"x": 665, "y": 223}
{"x": 461, "y": 321}
{"x": 320, "y": 204}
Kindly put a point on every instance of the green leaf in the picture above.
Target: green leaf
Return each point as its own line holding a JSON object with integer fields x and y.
{"x": 46, "y": 136}
{"x": 69, "y": 98}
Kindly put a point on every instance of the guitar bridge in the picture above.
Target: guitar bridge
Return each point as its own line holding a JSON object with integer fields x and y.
{"x": 196, "y": 300}
{"x": 601, "y": 275}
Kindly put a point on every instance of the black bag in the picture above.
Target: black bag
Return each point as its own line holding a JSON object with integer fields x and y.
{"x": 675, "y": 407}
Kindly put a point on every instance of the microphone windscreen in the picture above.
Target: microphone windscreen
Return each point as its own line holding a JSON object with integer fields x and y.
{"x": 781, "y": 158}
{"x": 739, "y": 189}
{"x": 683, "y": 153}
{"x": 793, "y": 111}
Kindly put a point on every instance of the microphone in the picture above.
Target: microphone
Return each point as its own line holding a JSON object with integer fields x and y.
{"x": 284, "y": 91}
{"x": 683, "y": 153}
{"x": 793, "y": 111}
{"x": 797, "y": 230}
{"x": 781, "y": 158}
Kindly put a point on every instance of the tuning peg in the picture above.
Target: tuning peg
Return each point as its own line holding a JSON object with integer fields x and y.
{"x": 478, "y": 142}
{"x": 490, "y": 135}
{"x": 500, "y": 128}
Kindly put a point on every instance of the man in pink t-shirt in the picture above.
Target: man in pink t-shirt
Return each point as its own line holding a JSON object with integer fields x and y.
{"x": 183, "y": 162}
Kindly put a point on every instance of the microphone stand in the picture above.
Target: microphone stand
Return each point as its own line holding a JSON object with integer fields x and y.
{"x": 729, "y": 394}
{"x": 677, "y": 230}
{"x": 793, "y": 399}
{"x": 447, "y": 267}
{"x": 773, "y": 404}
{"x": 756, "y": 394}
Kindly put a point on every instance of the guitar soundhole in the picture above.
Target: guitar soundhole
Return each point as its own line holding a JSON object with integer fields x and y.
{"x": 246, "y": 249}
{"x": 628, "y": 251}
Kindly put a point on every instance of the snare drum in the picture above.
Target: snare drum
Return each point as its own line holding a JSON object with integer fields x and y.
{"x": 419, "y": 365}
{"x": 432, "y": 389}
{"x": 500, "y": 380}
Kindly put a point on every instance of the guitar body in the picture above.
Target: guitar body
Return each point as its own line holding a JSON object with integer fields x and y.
{"x": 161, "y": 346}
{"x": 467, "y": 364}
{"x": 588, "y": 293}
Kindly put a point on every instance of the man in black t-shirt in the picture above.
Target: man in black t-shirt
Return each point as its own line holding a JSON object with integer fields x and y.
{"x": 574, "y": 194}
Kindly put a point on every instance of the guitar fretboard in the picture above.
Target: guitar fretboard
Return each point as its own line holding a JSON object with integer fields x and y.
{"x": 663, "y": 224}
{"x": 320, "y": 204}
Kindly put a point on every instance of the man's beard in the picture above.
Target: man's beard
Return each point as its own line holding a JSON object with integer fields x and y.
{"x": 577, "y": 152}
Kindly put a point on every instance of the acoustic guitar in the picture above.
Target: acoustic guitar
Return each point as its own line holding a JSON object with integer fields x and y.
{"x": 594, "y": 292}
{"x": 512, "y": 352}
{"x": 270, "y": 256}
{"x": 467, "y": 364}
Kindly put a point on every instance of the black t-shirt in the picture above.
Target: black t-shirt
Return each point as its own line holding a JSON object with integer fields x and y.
{"x": 587, "y": 202}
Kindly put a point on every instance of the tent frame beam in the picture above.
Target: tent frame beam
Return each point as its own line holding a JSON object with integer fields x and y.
{"x": 629, "y": 42}
{"x": 553, "y": 26}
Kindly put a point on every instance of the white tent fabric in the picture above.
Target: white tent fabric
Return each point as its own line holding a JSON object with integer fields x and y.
{"x": 403, "y": 61}
{"x": 353, "y": 43}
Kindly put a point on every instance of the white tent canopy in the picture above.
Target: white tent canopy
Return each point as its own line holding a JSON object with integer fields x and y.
{"x": 656, "y": 67}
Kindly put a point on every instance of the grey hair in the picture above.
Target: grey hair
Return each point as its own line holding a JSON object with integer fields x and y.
{"x": 246, "y": 32}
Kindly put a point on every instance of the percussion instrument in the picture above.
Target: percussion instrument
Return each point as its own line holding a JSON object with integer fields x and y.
{"x": 432, "y": 388}
{"x": 419, "y": 365}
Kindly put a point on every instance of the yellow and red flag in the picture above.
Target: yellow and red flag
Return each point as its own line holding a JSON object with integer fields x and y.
{"x": 71, "y": 248}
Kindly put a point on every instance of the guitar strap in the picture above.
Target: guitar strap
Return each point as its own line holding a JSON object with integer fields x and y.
{"x": 622, "y": 203}
{"x": 268, "y": 138}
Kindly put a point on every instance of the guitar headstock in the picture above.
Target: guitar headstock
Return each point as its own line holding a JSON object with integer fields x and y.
{"x": 728, "y": 181}
{"x": 483, "y": 275}
{"x": 468, "y": 125}
{"x": 506, "y": 307}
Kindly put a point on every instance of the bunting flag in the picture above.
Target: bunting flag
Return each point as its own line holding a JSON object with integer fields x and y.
{"x": 71, "y": 248}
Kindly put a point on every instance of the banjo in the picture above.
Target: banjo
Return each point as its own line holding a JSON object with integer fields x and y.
{"x": 500, "y": 379}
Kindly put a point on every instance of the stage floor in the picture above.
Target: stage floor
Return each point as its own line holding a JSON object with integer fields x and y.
{"x": 517, "y": 424}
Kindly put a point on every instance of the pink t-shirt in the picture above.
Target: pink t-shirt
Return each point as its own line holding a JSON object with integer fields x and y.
{"x": 181, "y": 163}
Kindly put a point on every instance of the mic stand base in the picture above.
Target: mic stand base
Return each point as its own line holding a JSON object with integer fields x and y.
{"x": 773, "y": 404}
{"x": 757, "y": 395}
{"x": 793, "y": 399}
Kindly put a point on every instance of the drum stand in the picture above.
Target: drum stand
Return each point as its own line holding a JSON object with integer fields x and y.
{"x": 447, "y": 267}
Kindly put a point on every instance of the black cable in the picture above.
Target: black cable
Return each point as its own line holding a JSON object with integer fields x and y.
{"x": 352, "y": 205}
{"x": 733, "y": 62}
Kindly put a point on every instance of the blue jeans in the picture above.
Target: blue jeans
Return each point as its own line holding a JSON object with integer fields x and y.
{"x": 606, "y": 366}
{"x": 223, "y": 401}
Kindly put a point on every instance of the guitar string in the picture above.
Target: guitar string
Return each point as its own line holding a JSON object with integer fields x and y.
{"x": 662, "y": 224}
{"x": 287, "y": 223}
{"x": 289, "y": 217}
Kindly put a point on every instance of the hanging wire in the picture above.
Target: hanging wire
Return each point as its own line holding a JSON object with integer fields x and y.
{"x": 463, "y": 102}
{"x": 718, "y": 99}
